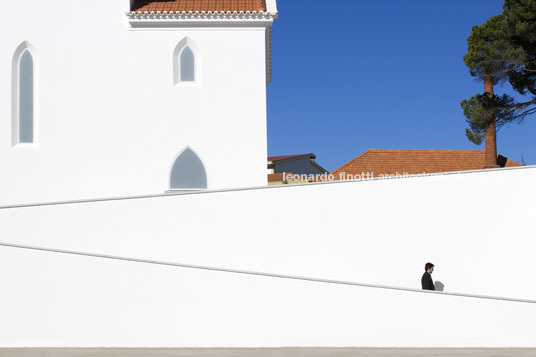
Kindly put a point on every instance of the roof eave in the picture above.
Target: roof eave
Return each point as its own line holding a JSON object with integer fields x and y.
{"x": 293, "y": 158}
{"x": 315, "y": 164}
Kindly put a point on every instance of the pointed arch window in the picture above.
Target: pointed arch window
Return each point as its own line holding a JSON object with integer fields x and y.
{"x": 187, "y": 65}
{"x": 186, "y": 62}
{"x": 23, "y": 131}
{"x": 188, "y": 172}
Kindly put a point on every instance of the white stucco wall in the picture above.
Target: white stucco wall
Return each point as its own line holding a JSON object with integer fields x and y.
{"x": 379, "y": 232}
{"x": 110, "y": 120}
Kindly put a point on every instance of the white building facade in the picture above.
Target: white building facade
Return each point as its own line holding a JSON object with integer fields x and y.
{"x": 105, "y": 98}
{"x": 98, "y": 101}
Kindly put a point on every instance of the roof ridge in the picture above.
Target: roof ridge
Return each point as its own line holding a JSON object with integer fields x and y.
{"x": 453, "y": 150}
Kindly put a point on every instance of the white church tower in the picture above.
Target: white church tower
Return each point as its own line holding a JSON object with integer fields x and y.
{"x": 107, "y": 98}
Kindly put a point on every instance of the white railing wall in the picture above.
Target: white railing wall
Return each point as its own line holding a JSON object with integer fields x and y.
{"x": 476, "y": 227}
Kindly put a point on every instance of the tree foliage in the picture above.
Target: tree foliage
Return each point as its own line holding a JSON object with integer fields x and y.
{"x": 490, "y": 53}
{"x": 481, "y": 111}
{"x": 520, "y": 18}
{"x": 503, "y": 48}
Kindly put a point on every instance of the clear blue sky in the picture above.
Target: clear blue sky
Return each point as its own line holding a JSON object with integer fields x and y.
{"x": 349, "y": 75}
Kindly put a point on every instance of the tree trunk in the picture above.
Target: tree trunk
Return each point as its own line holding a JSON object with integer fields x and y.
{"x": 491, "y": 134}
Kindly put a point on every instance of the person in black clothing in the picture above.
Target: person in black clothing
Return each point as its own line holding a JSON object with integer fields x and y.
{"x": 426, "y": 280}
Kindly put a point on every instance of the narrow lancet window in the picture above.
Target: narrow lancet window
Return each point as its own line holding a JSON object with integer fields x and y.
{"x": 26, "y": 97}
{"x": 187, "y": 65}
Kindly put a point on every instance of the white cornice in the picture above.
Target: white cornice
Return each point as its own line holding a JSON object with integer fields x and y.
{"x": 184, "y": 17}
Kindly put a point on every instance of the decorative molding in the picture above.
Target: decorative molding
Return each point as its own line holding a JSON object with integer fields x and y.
{"x": 210, "y": 16}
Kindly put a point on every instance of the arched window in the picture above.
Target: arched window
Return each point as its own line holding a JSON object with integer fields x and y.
{"x": 186, "y": 62}
{"x": 188, "y": 172}
{"x": 187, "y": 65}
{"x": 23, "y": 96}
{"x": 26, "y": 98}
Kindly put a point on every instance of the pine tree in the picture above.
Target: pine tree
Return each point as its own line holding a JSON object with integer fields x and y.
{"x": 521, "y": 22}
{"x": 489, "y": 57}
{"x": 503, "y": 48}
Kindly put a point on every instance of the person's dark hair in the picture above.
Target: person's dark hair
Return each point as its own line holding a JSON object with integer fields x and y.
{"x": 428, "y": 266}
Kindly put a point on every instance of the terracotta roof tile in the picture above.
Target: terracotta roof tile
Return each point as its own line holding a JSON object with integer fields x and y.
{"x": 199, "y": 5}
{"x": 390, "y": 162}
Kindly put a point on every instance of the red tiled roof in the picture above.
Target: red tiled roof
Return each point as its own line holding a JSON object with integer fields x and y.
{"x": 199, "y": 5}
{"x": 390, "y": 162}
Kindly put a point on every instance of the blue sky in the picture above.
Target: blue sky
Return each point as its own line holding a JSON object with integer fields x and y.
{"x": 349, "y": 75}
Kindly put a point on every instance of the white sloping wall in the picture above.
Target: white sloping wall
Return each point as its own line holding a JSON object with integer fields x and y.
{"x": 379, "y": 232}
